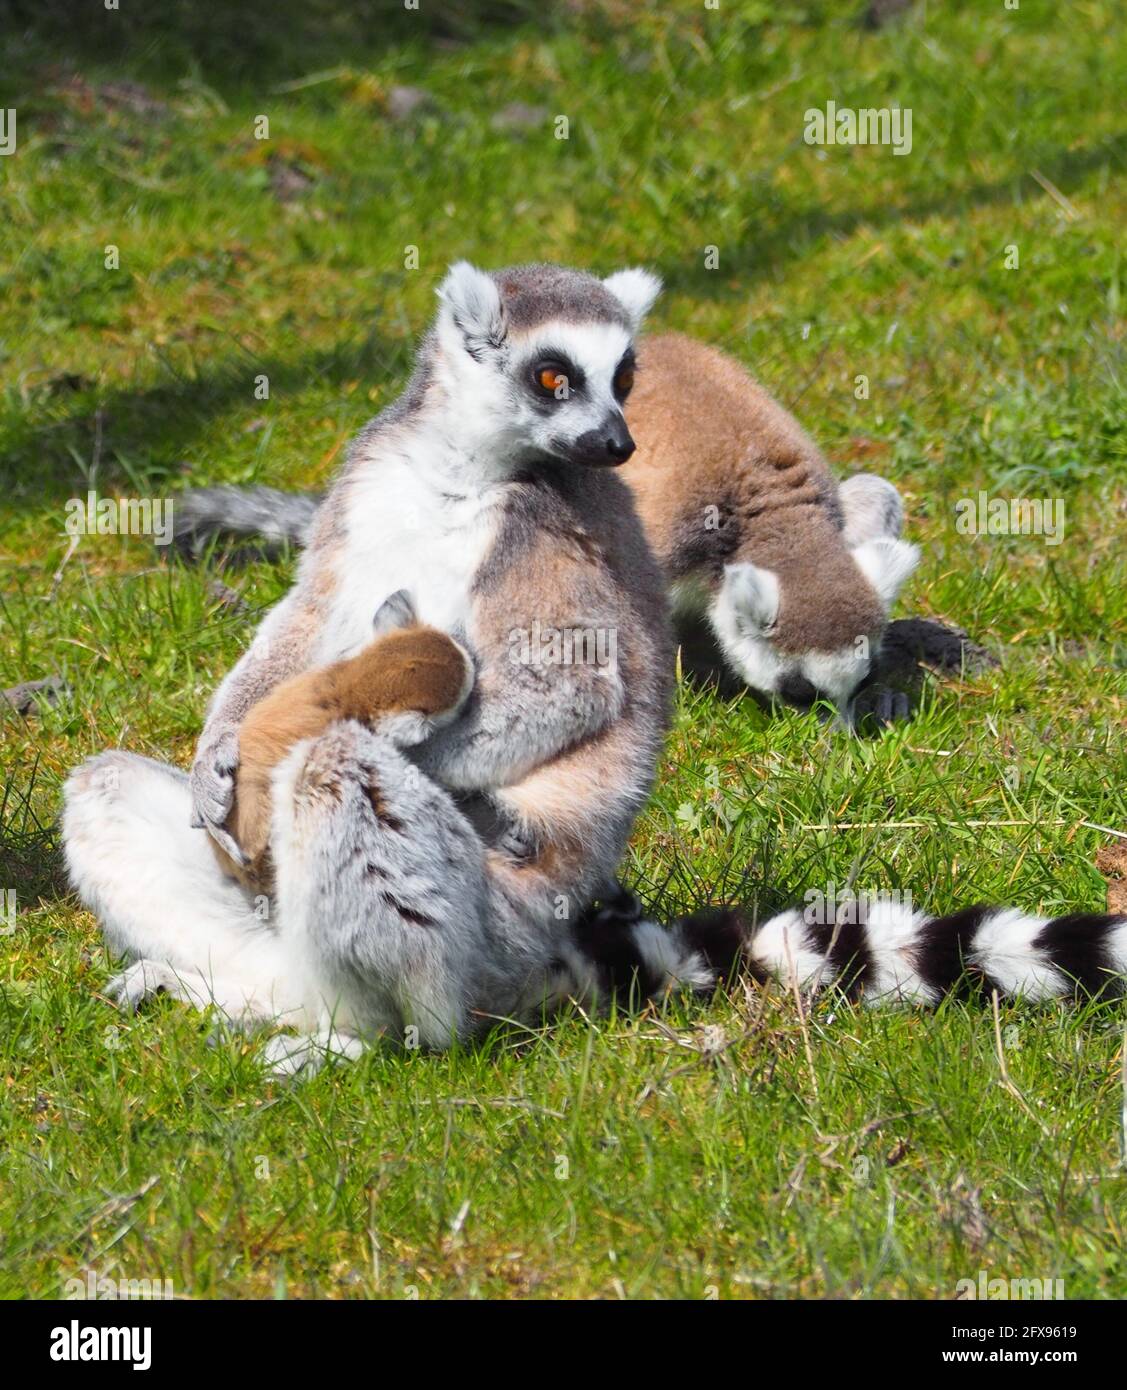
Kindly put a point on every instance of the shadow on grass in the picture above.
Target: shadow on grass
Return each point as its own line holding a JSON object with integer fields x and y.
{"x": 770, "y": 242}
{"x": 155, "y": 428}
{"x": 31, "y": 857}
{"x": 42, "y": 464}
{"x": 232, "y": 46}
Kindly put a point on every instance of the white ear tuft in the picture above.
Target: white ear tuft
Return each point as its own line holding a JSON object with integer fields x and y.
{"x": 753, "y": 595}
{"x": 872, "y": 508}
{"x": 886, "y": 564}
{"x": 472, "y": 301}
{"x": 636, "y": 291}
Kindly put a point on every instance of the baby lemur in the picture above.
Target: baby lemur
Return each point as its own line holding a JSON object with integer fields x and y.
{"x": 413, "y": 673}
{"x": 440, "y": 837}
{"x": 793, "y": 574}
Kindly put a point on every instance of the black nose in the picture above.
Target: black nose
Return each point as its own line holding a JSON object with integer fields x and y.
{"x": 607, "y": 446}
{"x": 797, "y": 690}
{"x": 620, "y": 445}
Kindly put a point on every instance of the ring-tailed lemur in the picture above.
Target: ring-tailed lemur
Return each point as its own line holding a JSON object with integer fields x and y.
{"x": 433, "y": 875}
{"x": 429, "y": 881}
{"x": 794, "y": 574}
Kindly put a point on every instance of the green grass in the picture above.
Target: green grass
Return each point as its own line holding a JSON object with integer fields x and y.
{"x": 742, "y": 1148}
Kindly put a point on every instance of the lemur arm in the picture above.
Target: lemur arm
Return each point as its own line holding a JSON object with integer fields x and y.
{"x": 518, "y": 717}
{"x": 567, "y": 822}
{"x": 544, "y": 633}
{"x": 280, "y": 649}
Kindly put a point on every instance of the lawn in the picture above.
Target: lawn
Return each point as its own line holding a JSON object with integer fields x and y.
{"x": 748, "y": 1148}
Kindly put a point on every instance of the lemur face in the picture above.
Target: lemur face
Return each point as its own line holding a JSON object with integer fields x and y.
{"x": 746, "y": 615}
{"x": 571, "y": 383}
{"x": 755, "y": 618}
{"x": 545, "y": 358}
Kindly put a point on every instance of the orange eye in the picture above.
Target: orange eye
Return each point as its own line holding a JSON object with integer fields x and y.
{"x": 624, "y": 381}
{"x": 551, "y": 378}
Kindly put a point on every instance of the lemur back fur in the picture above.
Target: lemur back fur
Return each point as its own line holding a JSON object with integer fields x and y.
{"x": 433, "y": 873}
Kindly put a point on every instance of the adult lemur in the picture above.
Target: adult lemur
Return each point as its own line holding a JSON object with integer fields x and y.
{"x": 793, "y": 574}
{"x": 426, "y": 876}
{"x": 437, "y": 864}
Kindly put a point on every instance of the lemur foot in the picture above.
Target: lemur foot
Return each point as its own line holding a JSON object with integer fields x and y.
{"x": 212, "y": 782}
{"x": 286, "y": 1056}
{"x": 142, "y": 980}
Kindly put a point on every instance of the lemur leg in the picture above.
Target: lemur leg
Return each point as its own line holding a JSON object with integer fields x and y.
{"x": 154, "y": 885}
{"x": 383, "y": 894}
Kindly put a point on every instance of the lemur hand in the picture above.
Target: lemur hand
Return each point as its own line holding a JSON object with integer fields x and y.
{"x": 878, "y": 706}
{"x": 396, "y": 611}
{"x": 515, "y": 841}
{"x": 212, "y": 783}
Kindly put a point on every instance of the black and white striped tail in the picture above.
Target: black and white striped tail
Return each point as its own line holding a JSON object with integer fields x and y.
{"x": 899, "y": 954}
{"x": 894, "y": 955}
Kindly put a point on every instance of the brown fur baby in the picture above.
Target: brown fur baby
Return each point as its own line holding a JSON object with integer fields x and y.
{"x": 415, "y": 670}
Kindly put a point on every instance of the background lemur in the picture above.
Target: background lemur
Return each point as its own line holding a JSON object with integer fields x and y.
{"x": 794, "y": 574}
{"x": 440, "y": 866}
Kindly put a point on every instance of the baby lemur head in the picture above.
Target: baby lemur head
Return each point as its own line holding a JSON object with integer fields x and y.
{"x": 539, "y": 360}
{"x": 806, "y": 623}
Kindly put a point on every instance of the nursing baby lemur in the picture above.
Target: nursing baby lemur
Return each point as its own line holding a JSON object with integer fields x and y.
{"x": 408, "y": 674}
{"x": 438, "y": 862}
{"x": 792, "y": 573}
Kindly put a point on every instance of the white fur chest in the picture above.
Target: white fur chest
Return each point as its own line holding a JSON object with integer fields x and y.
{"x": 403, "y": 532}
